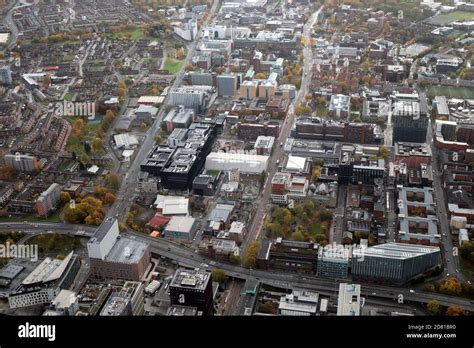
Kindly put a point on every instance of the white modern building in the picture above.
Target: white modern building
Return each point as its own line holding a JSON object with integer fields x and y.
{"x": 103, "y": 239}
{"x": 245, "y": 163}
{"x": 66, "y": 303}
{"x": 348, "y": 302}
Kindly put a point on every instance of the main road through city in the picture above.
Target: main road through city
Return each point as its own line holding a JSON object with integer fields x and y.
{"x": 129, "y": 186}
{"x": 451, "y": 259}
{"x": 189, "y": 257}
{"x": 277, "y": 153}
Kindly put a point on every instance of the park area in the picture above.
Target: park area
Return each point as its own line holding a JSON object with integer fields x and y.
{"x": 451, "y": 92}
{"x": 172, "y": 65}
{"x": 450, "y": 17}
{"x": 305, "y": 222}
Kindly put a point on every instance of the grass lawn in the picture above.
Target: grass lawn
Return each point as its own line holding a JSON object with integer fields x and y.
{"x": 173, "y": 65}
{"x": 69, "y": 96}
{"x": 55, "y": 218}
{"x": 74, "y": 144}
{"x": 136, "y": 34}
{"x": 451, "y": 17}
{"x": 451, "y": 92}
{"x": 315, "y": 228}
{"x": 92, "y": 126}
{"x": 213, "y": 172}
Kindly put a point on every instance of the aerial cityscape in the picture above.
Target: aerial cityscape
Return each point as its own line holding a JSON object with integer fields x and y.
{"x": 236, "y": 158}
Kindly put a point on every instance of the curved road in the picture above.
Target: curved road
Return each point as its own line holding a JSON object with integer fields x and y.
{"x": 190, "y": 257}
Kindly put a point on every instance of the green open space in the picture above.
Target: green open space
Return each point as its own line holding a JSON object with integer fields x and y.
{"x": 69, "y": 96}
{"x": 55, "y": 218}
{"x": 451, "y": 92}
{"x": 173, "y": 65}
{"x": 451, "y": 17}
{"x": 135, "y": 34}
{"x": 212, "y": 172}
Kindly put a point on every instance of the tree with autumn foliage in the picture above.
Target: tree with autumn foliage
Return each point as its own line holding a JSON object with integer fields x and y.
{"x": 450, "y": 286}
{"x": 78, "y": 127}
{"x": 250, "y": 259}
{"x": 109, "y": 198}
{"x": 65, "y": 197}
{"x": 456, "y": 311}
{"x": 433, "y": 307}
{"x": 7, "y": 173}
{"x": 88, "y": 211}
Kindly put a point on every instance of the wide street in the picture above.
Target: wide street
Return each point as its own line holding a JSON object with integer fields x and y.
{"x": 450, "y": 253}
{"x": 190, "y": 258}
{"x": 277, "y": 154}
{"x": 129, "y": 186}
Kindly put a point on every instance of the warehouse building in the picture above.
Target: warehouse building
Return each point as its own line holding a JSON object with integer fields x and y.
{"x": 181, "y": 227}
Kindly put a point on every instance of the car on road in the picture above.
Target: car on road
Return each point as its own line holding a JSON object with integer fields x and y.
{"x": 374, "y": 293}
{"x": 412, "y": 291}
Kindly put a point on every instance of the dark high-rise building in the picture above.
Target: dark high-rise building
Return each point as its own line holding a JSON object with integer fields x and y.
{"x": 410, "y": 121}
{"x": 177, "y": 167}
{"x": 187, "y": 161}
{"x": 192, "y": 288}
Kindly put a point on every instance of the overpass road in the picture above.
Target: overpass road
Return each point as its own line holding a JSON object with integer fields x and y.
{"x": 189, "y": 257}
